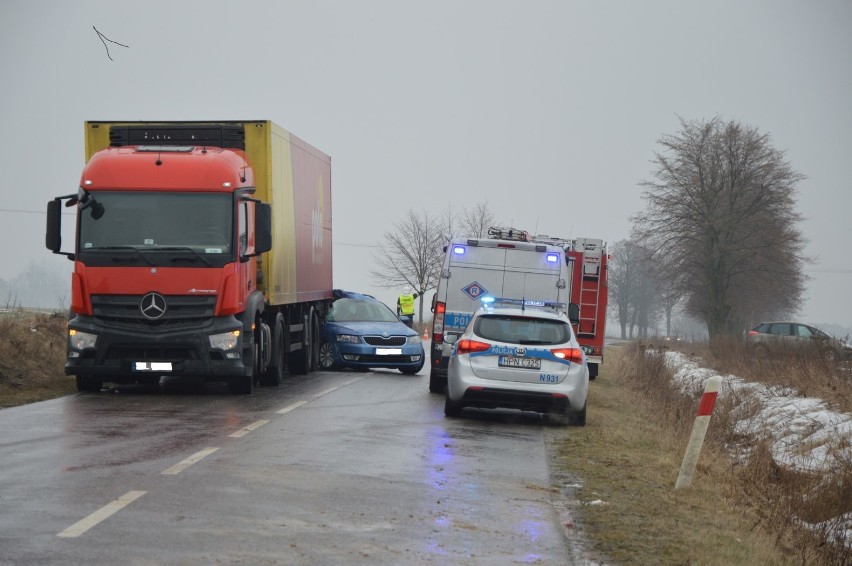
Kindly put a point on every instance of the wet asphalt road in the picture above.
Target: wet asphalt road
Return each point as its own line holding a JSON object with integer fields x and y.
{"x": 330, "y": 468}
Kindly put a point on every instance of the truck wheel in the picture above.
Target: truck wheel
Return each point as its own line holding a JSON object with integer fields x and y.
{"x": 300, "y": 360}
{"x": 274, "y": 374}
{"x": 242, "y": 385}
{"x": 315, "y": 342}
{"x": 593, "y": 371}
{"x": 88, "y": 384}
{"x": 437, "y": 383}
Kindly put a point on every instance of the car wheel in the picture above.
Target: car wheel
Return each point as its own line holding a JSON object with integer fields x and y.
{"x": 451, "y": 409}
{"x": 437, "y": 383}
{"x": 412, "y": 371}
{"x": 326, "y": 356}
{"x": 88, "y": 384}
{"x": 577, "y": 418}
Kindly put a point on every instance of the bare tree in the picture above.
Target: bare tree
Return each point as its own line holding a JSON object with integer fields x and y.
{"x": 411, "y": 255}
{"x": 721, "y": 210}
{"x": 475, "y": 222}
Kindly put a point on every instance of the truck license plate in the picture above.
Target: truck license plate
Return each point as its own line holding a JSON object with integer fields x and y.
{"x": 513, "y": 362}
{"x": 388, "y": 351}
{"x": 152, "y": 366}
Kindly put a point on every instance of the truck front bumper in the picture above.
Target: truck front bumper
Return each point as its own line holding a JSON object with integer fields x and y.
{"x": 126, "y": 354}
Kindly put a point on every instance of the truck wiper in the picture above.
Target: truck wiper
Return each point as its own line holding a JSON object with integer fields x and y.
{"x": 122, "y": 249}
{"x": 185, "y": 249}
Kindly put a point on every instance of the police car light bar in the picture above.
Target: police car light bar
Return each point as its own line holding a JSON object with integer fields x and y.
{"x": 505, "y": 301}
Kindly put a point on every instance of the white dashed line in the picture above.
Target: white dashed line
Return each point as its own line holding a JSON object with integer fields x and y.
{"x": 289, "y": 408}
{"x": 245, "y": 430}
{"x": 181, "y": 466}
{"x": 101, "y": 514}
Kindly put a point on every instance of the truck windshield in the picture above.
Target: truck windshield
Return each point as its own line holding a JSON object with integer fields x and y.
{"x": 198, "y": 225}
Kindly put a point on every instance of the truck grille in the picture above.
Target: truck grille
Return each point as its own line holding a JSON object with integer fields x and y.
{"x": 182, "y": 310}
{"x": 382, "y": 341}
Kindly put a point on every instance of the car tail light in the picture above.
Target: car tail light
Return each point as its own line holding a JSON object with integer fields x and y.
{"x": 467, "y": 346}
{"x": 571, "y": 354}
{"x": 753, "y": 332}
{"x": 438, "y": 324}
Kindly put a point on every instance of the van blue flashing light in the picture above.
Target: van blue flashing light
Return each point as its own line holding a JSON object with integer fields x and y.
{"x": 458, "y": 250}
{"x": 552, "y": 258}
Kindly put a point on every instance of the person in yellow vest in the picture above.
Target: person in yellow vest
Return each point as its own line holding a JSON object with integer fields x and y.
{"x": 405, "y": 305}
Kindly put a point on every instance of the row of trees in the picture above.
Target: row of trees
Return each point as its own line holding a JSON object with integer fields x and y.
{"x": 719, "y": 236}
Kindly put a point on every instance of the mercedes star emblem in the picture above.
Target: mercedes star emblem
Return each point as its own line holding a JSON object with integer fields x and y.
{"x": 153, "y": 306}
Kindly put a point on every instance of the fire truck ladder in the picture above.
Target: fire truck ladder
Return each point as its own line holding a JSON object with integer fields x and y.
{"x": 590, "y": 291}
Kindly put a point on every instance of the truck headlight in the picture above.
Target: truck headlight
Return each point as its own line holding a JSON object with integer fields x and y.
{"x": 80, "y": 340}
{"x": 225, "y": 340}
{"x": 348, "y": 338}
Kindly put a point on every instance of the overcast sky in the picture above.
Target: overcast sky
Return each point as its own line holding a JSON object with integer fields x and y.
{"x": 549, "y": 111}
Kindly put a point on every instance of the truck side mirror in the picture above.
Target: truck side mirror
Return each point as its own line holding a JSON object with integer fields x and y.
{"x": 53, "y": 233}
{"x": 262, "y": 227}
{"x": 574, "y": 313}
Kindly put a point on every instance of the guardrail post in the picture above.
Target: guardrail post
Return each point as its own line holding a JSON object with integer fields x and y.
{"x": 699, "y": 430}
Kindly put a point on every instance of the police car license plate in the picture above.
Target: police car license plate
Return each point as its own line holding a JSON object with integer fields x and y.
{"x": 388, "y": 351}
{"x": 152, "y": 366}
{"x": 513, "y": 362}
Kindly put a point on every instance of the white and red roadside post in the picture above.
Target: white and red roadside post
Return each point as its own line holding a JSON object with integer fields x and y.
{"x": 699, "y": 430}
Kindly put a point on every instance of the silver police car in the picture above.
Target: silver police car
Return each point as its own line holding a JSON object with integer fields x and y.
{"x": 523, "y": 358}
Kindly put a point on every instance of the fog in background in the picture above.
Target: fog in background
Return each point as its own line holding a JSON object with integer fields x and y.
{"x": 549, "y": 111}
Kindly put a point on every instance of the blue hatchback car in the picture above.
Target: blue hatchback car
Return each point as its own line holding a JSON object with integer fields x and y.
{"x": 362, "y": 333}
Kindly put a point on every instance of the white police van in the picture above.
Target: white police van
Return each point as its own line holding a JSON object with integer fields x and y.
{"x": 507, "y": 264}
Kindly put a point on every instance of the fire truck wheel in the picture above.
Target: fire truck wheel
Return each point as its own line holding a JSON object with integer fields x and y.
{"x": 87, "y": 383}
{"x": 593, "y": 371}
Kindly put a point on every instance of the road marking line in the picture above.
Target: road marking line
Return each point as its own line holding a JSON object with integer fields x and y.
{"x": 289, "y": 408}
{"x": 181, "y": 466}
{"x": 326, "y": 391}
{"x": 101, "y": 514}
{"x": 245, "y": 430}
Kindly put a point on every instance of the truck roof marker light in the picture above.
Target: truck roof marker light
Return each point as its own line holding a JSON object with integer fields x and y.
{"x": 88, "y": 183}
{"x": 552, "y": 258}
{"x": 226, "y": 185}
{"x": 459, "y": 250}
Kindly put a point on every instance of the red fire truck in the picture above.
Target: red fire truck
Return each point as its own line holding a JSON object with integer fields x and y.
{"x": 587, "y": 264}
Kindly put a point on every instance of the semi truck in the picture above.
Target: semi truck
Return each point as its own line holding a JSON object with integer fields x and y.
{"x": 201, "y": 249}
{"x": 506, "y": 265}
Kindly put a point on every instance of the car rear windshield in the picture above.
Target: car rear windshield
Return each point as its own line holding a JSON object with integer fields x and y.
{"x": 521, "y": 330}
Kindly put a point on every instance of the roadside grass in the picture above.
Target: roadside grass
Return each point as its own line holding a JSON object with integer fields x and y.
{"x": 32, "y": 355}
{"x": 626, "y": 461}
